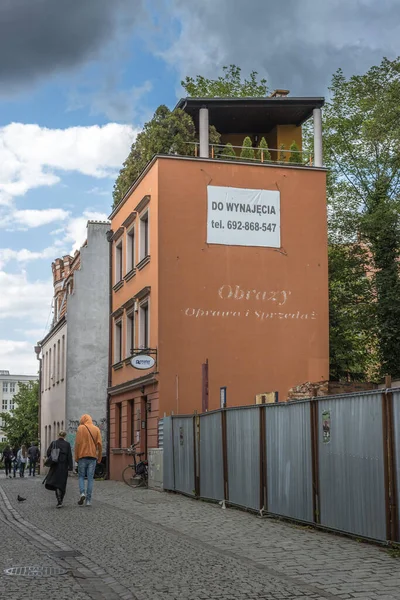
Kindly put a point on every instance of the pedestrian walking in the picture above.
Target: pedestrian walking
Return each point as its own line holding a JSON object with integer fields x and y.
{"x": 33, "y": 455}
{"x": 15, "y": 460}
{"x": 7, "y": 460}
{"x": 57, "y": 477}
{"x": 22, "y": 458}
{"x": 88, "y": 451}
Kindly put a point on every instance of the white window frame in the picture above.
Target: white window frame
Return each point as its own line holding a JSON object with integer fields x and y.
{"x": 130, "y": 343}
{"x": 119, "y": 249}
{"x": 144, "y": 218}
{"x": 130, "y": 249}
{"x": 5, "y": 387}
{"x": 118, "y": 354}
{"x": 145, "y": 302}
{"x": 4, "y": 404}
{"x": 12, "y": 404}
{"x": 12, "y": 387}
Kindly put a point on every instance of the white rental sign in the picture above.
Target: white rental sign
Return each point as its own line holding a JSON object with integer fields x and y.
{"x": 240, "y": 217}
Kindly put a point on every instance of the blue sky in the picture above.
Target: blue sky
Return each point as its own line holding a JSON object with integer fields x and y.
{"x": 79, "y": 79}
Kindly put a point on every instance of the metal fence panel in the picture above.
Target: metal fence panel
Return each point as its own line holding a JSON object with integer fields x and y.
{"x": 396, "y": 427}
{"x": 351, "y": 464}
{"x": 289, "y": 460}
{"x": 168, "y": 455}
{"x": 243, "y": 454}
{"x": 160, "y": 433}
{"x": 183, "y": 454}
{"x": 211, "y": 457}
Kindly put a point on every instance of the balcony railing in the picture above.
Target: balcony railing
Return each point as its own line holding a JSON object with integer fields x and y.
{"x": 278, "y": 156}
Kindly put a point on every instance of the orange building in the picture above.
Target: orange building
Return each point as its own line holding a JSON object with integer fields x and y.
{"x": 220, "y": 276}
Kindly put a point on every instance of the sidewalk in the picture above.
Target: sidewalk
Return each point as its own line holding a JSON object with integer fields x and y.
{"x": 145, "y": 545}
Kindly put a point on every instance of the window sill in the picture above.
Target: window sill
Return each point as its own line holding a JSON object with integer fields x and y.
{"x": 145, "y": 261}
{"x": 118, "y": 365}
{"x": 117, "y": 450}
{"x": 130, "y": 274}
{"x": 118, "y": 285}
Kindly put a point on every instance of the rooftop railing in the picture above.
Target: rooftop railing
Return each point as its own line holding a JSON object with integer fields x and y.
{"x": 280, "y": 156}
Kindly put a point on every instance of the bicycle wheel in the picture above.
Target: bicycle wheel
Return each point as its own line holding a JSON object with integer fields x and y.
{"x": 128, "y": 475}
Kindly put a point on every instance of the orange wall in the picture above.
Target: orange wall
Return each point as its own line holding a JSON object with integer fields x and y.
{"x": 248, "y": 351}
{"x": 148, "y": 276}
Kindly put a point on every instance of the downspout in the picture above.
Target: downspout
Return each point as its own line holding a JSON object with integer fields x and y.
{"x": 110, "y": 275}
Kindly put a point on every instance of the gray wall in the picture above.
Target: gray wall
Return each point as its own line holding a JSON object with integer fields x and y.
{"x": 88, "y": 329}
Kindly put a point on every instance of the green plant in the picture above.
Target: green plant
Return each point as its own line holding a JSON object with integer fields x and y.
{"x": 228, "y": 151}
{"x": 295, "y": 155}
{"x": 228, "y": 85}
{"x": 282, "y": 153}
{"x": 262, "y": 152}
{"x": 247, "y": 150}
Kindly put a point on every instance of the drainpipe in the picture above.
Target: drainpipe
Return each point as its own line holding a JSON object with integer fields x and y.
{"x": 317, "y": 117}
{"x": 110, "y": 275}
{"x": 204, "y": 132}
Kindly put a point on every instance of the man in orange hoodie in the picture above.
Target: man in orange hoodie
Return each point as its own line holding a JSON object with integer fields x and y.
{"x": 88, "y": 450}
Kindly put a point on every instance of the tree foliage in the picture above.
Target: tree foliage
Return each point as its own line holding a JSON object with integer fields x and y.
{"x": 295, "y": 156}
{"x": 262, "y": 152}
{"x": 282, "y": 153}
{"x": 247, "y": 150}
{"x": 362, "y": 148}
{"x": 228, "y": 85}
{"x": 21, "y": 425}
{"x": 228, "y": 151}
{"x": 168, "y": 132}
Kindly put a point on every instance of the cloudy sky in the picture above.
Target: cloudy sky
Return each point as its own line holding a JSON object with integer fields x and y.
{"x": 79, "y": 78}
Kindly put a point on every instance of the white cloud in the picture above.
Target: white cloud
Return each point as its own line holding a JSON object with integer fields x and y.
{"x": 24, "y": 301}
{"x": 98, "y": 192}
{"x": 27, "y": 219}
{"x": 75, "y": 230}
{"x": 24, "y": 255}
{"x": 32, "y": 156}
{"x": 18, "y": 357}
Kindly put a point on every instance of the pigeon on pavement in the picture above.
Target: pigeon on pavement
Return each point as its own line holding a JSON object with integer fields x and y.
{"x": 20, "y": 499}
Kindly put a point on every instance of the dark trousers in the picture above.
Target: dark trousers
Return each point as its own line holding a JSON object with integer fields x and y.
{"x": 59, "y": 495}
{"x": 22, "y": 469}
{"x": 32, "y": 468}
{"x": 8, "y": 466}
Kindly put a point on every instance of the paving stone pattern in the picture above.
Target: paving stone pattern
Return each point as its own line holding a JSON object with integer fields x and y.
{"x": 146, "y": 545}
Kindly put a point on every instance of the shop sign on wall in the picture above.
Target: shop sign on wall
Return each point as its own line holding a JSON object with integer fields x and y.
{"x": 242, "y": 217}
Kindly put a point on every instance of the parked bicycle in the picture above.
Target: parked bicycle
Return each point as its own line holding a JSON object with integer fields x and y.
{"x": 136, "y": 474}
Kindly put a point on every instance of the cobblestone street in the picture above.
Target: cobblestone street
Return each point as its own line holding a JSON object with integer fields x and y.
{"x": 142, "y": 545}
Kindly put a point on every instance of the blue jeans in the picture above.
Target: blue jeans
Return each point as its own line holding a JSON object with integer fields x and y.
{"x": 86, "y": 468}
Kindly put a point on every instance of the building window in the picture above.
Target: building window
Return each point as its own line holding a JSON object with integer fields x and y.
{"x": 118, "y": 342}
{"x": 46, "y": 440}
{"x": 43, "y": 372}
{"x": 118, "y": 262}
{"x": 5, "y": 404}
{"x": 130, "y": 250}
{"x": 58, "y": 361}
{"x": 50, "y": 440}
{"x": 132, "y": 421}
{"x": 62, "y": 357}
{"x": 144, "y": 325}
{"x": 12, "y": 387}
{"x": 53, "y": 374}
{"x": 118, "y": 425}
{"x": 130, "y": 333}
{"x": 144, "y": 235}
{"x": 49, "y": 370}
{"x": 5, "y": 386}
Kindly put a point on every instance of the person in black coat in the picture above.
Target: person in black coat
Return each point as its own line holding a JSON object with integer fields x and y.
{"x": 57, "y": 477}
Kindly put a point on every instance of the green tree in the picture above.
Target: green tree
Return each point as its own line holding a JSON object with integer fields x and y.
{"x": 352, "y": 324}
{"x": 21, "y": 425}
{"x": 168, "y": 132}
{"x": 228, "y": 151}
{"x": 295, "y": 155}
{"x": 228, "y": 85}
{"x": 362, "y": 148}
{"x": 247, "y": 150}
{"x": 262, "y": 152}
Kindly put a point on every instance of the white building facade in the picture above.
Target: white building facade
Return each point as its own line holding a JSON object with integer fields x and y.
{"x": 9, "y": 387}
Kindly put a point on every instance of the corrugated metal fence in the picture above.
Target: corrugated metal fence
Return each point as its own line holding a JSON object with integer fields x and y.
{"x": 332, "y": 461}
